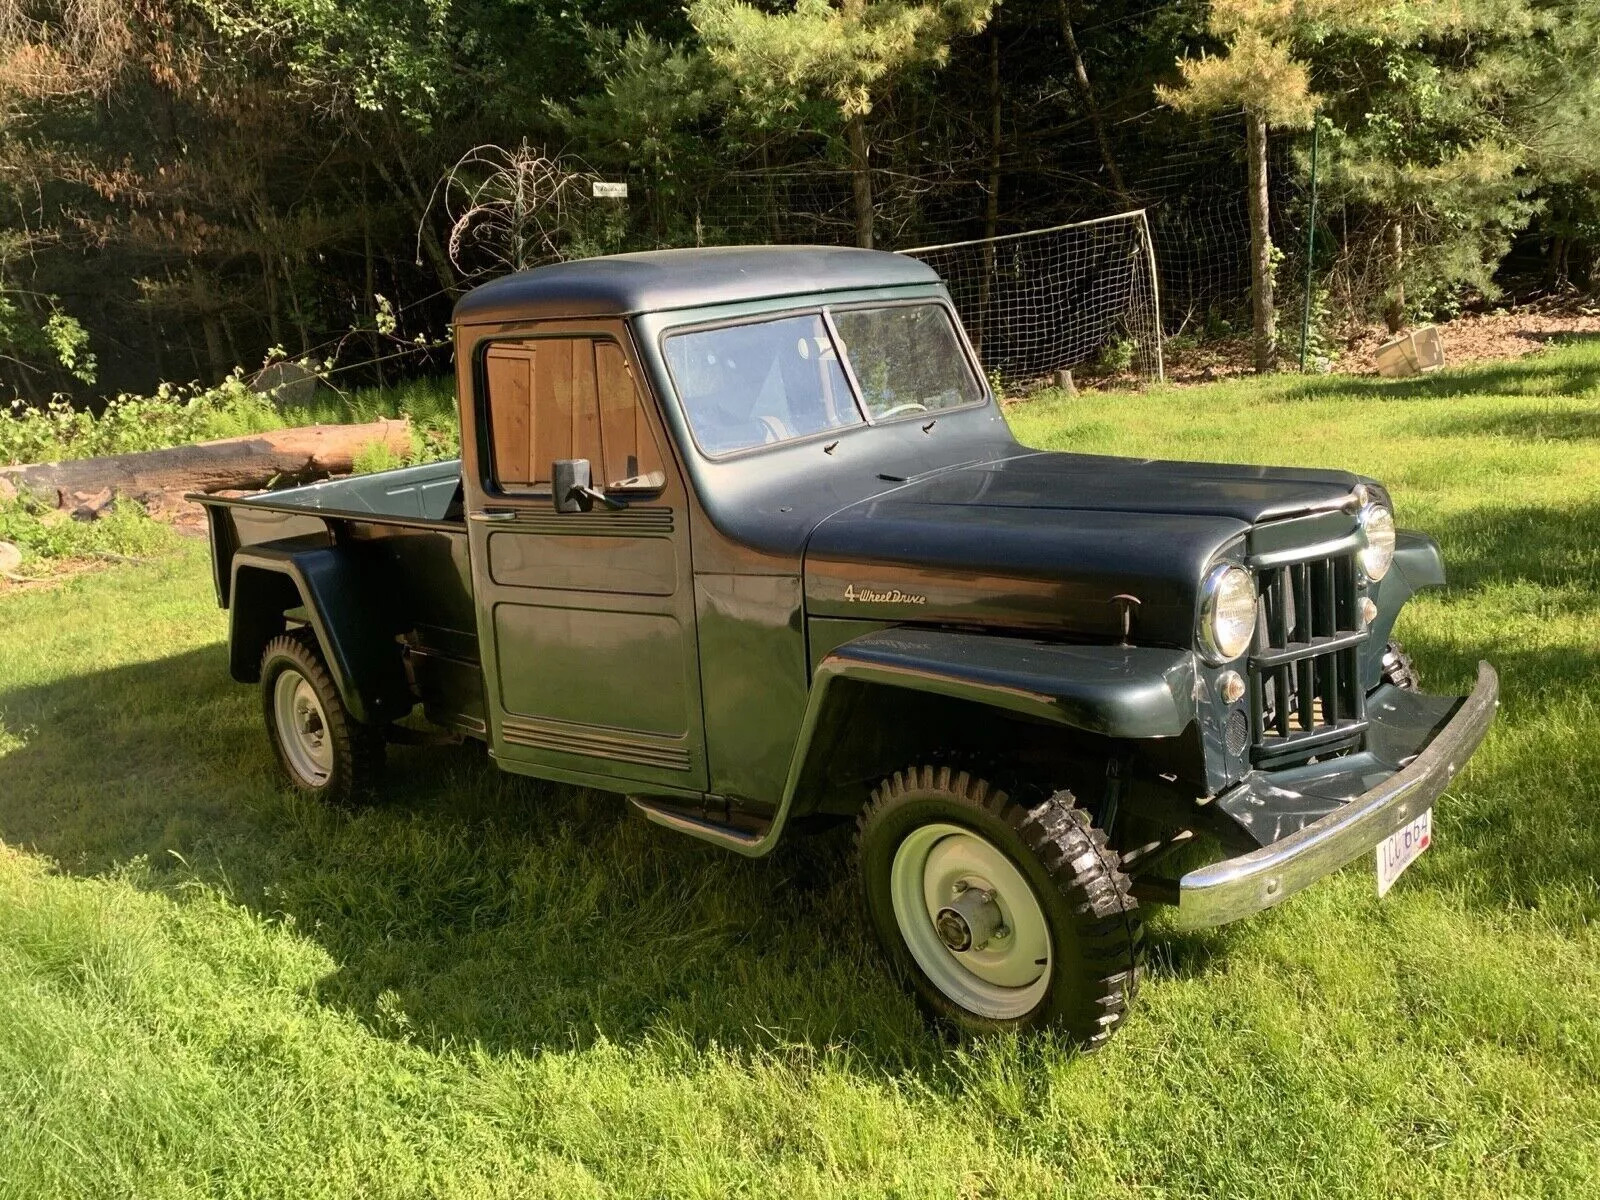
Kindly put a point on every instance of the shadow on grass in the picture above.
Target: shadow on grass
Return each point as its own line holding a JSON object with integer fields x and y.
{"x": 1540, "y": 374}
{"x": 1554, "y": 548}
{"x": 473, "y": 907}
{"x": 1531, "y": 423}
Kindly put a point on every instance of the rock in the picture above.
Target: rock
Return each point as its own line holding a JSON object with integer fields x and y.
{"x": 89, "y": 506}
{"x": 288, "y": 384}
{"x": 10, "y": 558}
{"x": 8, "y": 490}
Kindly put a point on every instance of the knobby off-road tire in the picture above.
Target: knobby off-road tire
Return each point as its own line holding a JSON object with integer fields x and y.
{"x": 1088, "y": 972}
{"x": 324, "y": 750}
{"x": 1398, "y": 668}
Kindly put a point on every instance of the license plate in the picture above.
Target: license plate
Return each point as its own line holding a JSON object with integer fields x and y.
{"x": 1402, "y": 848}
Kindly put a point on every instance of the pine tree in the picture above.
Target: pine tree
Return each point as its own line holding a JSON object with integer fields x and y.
{"x": 1260, "y": 74}
{"x": 845, "y": 56}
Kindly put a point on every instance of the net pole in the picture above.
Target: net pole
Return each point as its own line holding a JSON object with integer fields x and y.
{"x": 1155, "y": 293}
{"x": 1311, "y": 246}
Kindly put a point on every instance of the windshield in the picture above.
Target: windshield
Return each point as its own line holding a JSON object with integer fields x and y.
{"x": 906, "y": 359}
{"x": 773, "y": 380}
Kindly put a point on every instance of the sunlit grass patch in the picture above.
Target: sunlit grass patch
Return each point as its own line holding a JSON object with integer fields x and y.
{"x": 489, "y": 987}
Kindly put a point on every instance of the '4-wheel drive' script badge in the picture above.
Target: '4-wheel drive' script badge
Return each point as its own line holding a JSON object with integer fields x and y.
{"x": 866, "y": 595}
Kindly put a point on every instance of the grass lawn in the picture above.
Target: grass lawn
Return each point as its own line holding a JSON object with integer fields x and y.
{"x": 491, "y": 987}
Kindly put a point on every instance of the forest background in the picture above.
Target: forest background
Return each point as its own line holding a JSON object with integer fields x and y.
{"x": 194, "y": 185}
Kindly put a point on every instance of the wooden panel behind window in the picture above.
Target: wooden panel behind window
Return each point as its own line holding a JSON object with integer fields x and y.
{"x": 510, "y": 377}
{"x": 630, "y": 448}
{"x": 552, "y": 403}
{"x": 586, "y": 409}
{"x": 552, "y": 398}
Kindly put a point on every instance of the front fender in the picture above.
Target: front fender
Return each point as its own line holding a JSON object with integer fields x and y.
{"x": 1417, "y": 564}
{"x": 1126, "y": 692}
{"x": 346, "y": 608}
{"x": 1112, "y": 691}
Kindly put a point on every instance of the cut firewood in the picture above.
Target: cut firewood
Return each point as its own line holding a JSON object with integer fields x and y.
{"x": 250, "y": 463}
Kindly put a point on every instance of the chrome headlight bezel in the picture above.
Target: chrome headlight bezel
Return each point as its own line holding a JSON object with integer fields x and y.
{"x": 1222, "y": 587}
{"x": 1376, "y": 556}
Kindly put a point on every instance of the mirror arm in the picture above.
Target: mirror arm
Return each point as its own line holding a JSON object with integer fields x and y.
{"x": 596, "y": 496}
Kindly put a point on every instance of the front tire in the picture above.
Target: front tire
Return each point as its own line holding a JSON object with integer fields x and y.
{"x": 1002, "y": 915}
{"x": 325, "y": 751}
{"x": 1399, "y": 670}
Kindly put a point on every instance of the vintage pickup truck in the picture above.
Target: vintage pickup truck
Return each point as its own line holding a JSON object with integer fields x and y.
{"x": 741, "y": 534}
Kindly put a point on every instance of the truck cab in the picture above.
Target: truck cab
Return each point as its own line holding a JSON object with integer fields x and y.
{"x": 742, "y": 534}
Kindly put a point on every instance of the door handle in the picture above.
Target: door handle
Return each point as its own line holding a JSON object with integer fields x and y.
{"x": 494, "y": 514}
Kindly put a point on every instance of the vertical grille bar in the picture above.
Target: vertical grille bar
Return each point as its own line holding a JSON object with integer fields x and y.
{"x": 1332, "y": 707}
{"x": 1304, "y": 695}
{"x": 1300, "y": 693}
{"x": 1280, "y": 609}
{"x": 1302, "y": 602}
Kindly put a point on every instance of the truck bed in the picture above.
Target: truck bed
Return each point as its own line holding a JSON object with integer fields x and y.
{"x": 430, "y": 492}
{"x": 405, "y": 530}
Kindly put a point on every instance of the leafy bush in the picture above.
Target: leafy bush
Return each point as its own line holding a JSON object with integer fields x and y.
{"x": 44, "y": 535}
{"x": 1116, "y": 356}
{"x": 176, "y": 415}
{"x": 179, "y": 414}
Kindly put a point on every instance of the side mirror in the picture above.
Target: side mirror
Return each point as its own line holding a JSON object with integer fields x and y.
{"x": 570, "y": 485}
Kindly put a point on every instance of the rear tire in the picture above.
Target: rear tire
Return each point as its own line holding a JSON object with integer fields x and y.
{"x": 1398, "y": 668}
{"x": 324, "y": 750}
{"x": 1064, "y": 948}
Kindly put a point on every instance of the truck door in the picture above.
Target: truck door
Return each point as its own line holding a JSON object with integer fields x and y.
{"x": 585, "y": 619}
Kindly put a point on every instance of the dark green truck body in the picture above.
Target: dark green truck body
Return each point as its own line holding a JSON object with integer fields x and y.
{"x": 753, "y": 637}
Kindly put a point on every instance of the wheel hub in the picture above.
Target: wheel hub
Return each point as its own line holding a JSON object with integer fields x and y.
{"x": 303, "y": 728}
{"x": 971, "y": 920}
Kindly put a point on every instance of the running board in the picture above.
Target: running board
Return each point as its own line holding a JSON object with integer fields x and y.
{"x": 672, "y": 817}
{"x": 404, "y": 735}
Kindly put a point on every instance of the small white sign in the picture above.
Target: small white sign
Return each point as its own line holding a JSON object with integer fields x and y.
{"x": 1402, "y": 848}
{"x": 610, "y": 191}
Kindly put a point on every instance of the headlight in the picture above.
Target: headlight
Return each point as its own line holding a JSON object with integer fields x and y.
{"x": 1227, "y": 613}
{"x": 1377, "y": 531}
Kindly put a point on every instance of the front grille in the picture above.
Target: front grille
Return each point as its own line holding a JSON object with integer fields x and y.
{"x": 1306, "y": 698}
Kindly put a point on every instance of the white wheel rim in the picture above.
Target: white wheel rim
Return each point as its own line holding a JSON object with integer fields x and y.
{"x": 1007, "y": 977}
{"x": 302, "y": 727}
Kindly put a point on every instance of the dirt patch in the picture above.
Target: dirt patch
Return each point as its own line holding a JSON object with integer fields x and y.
{"x": 1495, "y": 334}
{"x": 1187, "y": 362}
{"x": 1488, "y": 336}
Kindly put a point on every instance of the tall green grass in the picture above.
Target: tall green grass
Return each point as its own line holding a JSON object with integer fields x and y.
{"x": 488, "y": 987}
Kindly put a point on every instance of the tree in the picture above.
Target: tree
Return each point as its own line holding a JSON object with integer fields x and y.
{"x": 1260, "y": 74}
{"x": 846, "y": 56}
{"x": 1086, "y": 97}
{"x": 1451, "y": 126}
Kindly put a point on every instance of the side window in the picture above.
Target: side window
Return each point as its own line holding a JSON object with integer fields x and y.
{"x": 551, "y": 398}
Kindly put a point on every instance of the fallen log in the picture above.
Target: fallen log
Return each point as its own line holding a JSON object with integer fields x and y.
{"x": 248, "y": 463}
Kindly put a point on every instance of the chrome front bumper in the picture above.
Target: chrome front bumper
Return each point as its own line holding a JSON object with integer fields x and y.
{"x": 1237, "y": 887}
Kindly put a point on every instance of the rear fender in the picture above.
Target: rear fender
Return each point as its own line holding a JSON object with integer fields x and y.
{"x": 346, "y": 606}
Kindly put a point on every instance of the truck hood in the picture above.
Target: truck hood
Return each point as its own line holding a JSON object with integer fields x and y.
{"x": 1047, "y": 541}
